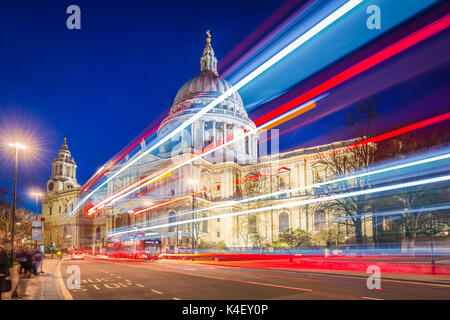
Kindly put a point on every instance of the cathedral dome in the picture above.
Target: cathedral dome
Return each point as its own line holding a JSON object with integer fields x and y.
{"x": 205, "y": 87}
{"x": 226, "y": 119}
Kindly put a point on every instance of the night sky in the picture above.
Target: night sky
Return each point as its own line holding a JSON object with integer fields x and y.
{"x": 101, "y": 86}
{"x": 104, "y": 84}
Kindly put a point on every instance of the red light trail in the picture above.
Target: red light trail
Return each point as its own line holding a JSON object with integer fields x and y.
{"x": 386, "y": 53}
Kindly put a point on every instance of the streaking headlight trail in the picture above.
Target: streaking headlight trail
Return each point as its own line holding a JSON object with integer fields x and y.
{"x": 333, "y": 17}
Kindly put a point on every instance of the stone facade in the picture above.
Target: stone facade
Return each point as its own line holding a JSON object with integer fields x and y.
{"x": 63, "y": 192}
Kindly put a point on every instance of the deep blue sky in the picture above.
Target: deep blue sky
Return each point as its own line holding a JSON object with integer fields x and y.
{"x": 104, "y": 84}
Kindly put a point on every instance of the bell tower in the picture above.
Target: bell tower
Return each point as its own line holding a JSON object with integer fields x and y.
{"x": 63, "y": 171}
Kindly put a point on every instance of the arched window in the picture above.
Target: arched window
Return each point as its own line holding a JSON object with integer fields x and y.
{"x": 98, "y": 233}
{"x": 172, "y": 220}
{"x": 283, "y": 222}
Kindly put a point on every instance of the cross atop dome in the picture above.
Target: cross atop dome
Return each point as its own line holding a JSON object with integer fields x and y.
{"x": 208, "y": 61}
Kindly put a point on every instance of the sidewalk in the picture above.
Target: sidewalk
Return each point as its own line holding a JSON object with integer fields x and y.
{"x": 45, "y": 285}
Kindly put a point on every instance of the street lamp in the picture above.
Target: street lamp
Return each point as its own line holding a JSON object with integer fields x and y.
{"x": 37, "y": 195}
{"x": 17, "y": 146}
{"x": 193, "y": 183}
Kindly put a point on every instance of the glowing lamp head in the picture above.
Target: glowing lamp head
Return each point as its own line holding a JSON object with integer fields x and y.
{"x": 17, "y": 145}
{"x": 36, "y": 194}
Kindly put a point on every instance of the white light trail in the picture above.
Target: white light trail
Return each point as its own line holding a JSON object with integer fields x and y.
{"x": 320, "y": 184}
{"x": 302, "y": 202}
{"x": 330, "y": 19}
{"x": 116, "y": 198}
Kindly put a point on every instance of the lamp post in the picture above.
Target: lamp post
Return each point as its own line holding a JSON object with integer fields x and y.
{"x": 193, "y": 183}
{"x": 17, "y": 146}
{"x": 37, "y": 195}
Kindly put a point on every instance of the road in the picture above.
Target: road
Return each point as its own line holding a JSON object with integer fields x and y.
{"x": 174, "y": 280}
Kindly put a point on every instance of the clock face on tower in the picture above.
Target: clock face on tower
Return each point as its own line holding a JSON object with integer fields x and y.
{"x": 50, "y": 186}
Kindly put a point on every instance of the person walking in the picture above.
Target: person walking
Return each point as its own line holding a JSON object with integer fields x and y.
{"x": 37, "y": 259}
{"x": 21, "y": 258}
{"x": 21, "y": 288}
{"x": 5, "y": 284}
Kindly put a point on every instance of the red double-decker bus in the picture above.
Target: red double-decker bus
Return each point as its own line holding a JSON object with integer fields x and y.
{"x": 137, "y": 245}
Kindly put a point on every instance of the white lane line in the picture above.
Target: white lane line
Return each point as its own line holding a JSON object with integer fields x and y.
{"x": 139, "y": 285}
{"x": 181, "y": 268}
{"x": 156, "y": 291}
{"x": 176, "y": 299}
{"x": 370, "y": 298}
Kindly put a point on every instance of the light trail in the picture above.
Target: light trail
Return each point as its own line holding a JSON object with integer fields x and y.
{"x": 303, "y": 202}
{"x": 386, "y": 53}
{"x": 388, "y": 135}
{"x": 159, "y": 185}
{"x": 116, "y": 195}
{"x": 330, "y": 19}
{"x": 361, "y": 175}
{"x": 321, "y": 184}
{"x": 109, "y": 166}
{"x": 380, "y": 56}
{"x": 379, "y": 138}
{"x": 204, "y": 152}
{"x": 168, "y": 202}
{"x": 396, "y": 212}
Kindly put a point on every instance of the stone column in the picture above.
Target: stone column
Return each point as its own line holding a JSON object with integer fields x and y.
{"x": 214, "y": 131}
{"x": 203, "y": 133}
{"x": 224, "y": 149}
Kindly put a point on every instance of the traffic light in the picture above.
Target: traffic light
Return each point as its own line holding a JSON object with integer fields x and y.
{"x": 53, "y": 244}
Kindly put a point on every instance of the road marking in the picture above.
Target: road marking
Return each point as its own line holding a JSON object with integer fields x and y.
{"x": 123, "y": 285}
{"x": 107, "y": 285}
{"x": 112, "y": 274}
{"x": 128, "y": 280}
{"x": 176, "y": 298}
{"x": 156, "y": 291}
{"x": 181, "y": 268}
{"x": 83, "y": 281}
{"x": 119, "y": 277}
{"x": 62, "y": 285}
{"x": 139, "y": 285}
{"x": 390, "y": 280}
{"x": 370, "y": 298}
{"x": 95, "y": 286}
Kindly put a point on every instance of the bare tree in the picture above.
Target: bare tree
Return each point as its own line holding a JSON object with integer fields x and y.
{"x": 417, "y": 218}
{"x": 345, "y": 161}
{"x": 23, "y": 217}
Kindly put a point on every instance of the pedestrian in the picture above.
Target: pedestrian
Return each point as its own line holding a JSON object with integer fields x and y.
{"x": 21, "y": 258}
{"x": 21, "y": 288}
{"x": 59, "y": 254}
{"x": 37, "y": 260}
{"x": 5, "y": 284}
